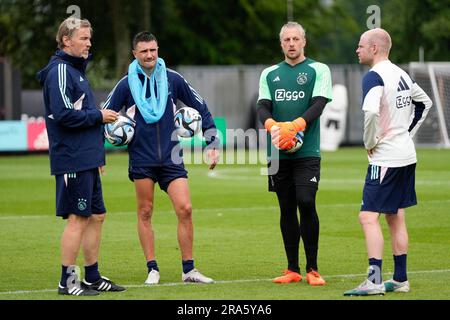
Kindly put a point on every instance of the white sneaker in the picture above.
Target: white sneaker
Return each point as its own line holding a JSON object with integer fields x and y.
{"x": 153, "y": 277}
{"x": 195, "y": 276}
{"x": 367, "y": 288}
{"x": 394, "y": 286}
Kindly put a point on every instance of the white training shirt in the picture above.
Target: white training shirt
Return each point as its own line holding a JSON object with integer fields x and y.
{"x": 394, "y": 108}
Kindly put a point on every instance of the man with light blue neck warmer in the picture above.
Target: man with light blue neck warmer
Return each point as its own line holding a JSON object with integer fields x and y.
{"x": 149, "y": 94}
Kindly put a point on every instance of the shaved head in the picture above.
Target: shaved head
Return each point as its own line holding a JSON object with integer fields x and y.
{"x": 374, "y": 46}
{"x": 379, "y": 37}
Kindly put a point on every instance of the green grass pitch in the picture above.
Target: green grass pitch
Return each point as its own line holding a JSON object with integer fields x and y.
{"x": 237, "y": 236}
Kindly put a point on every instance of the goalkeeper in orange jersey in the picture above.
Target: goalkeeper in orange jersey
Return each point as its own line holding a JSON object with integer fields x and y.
{"x": 292, "y": 96}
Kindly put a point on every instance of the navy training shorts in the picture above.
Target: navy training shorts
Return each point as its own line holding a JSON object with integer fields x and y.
{"x": 388, "y": 189}
{"x": 163, "y": 175}
{"x": 79, "y": 193}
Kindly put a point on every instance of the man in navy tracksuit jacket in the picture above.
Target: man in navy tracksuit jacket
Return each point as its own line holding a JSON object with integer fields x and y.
{"x": 75, "y": 132}
{"x": 154, "y": 155}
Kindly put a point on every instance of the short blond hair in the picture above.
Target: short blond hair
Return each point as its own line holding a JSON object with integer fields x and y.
{"x": 68, "y": 27}
{"x": 380, "y": 37}
{"x": 292, "y": 24}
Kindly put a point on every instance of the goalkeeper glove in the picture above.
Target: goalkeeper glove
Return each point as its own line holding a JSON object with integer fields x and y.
{"x": 273, "y": 128}
{"x": 269, "y": 123}
{"x": 299, "y": 124}
{"x": 288, "y": 145}
{"x": 288, "y": 130}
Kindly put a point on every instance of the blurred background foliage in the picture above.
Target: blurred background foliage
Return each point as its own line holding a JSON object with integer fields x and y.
{"x": 201, "y": 32}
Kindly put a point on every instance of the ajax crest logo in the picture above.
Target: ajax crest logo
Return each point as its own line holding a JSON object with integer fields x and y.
{"x": 82, "y": 204}
{"x": 302, "y": 78}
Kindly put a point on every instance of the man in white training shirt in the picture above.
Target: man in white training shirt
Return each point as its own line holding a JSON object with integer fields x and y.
{"x": 394, "y": 108}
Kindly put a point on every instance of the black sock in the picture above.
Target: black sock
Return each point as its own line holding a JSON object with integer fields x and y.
{"x": 91, "y": 273}
{"x": 400, "y": 268}
{"x": 290, "y": 229}
{"x": 152, "y": 265}
{"x": 309, "y": 224}
{"x": 188, "y": 265}
{"x": 64, "y": 276}
{"x": 69, "y": 275}
{"x": 375, "y": 274}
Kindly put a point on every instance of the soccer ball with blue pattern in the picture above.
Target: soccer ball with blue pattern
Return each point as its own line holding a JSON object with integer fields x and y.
{"x": 120, "y": 132}
{"x": 188, "y": 122}
{"x": 298, "y": 139}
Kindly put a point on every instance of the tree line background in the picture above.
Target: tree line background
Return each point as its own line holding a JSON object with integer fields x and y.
{"x": 218, "y": 32}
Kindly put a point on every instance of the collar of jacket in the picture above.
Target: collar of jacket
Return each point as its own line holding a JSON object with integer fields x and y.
{"x": 79, "y": 63}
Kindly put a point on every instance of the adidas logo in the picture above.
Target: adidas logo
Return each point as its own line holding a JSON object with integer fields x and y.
{"x": 313, "y": 180}
{"x": 81, "y": 79}
{"x": 402, "y": 85}
{"x": 277, "y": 78}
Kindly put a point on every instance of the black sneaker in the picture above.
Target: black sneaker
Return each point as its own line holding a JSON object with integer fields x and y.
{"x": 103, "y": 284}
{"x": 77, "y": 291}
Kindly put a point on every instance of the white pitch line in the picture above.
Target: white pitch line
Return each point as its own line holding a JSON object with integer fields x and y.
{"x": 176, "y": 284}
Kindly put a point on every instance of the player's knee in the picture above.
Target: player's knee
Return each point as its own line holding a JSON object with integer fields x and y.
{"x": 98, "y": 218}
{"x": 306, "y": 201}
{"x": 145, "y": 212}
{"x": 184, "y": 212}
{"x": 367, "y": 218}
{"x": 77, "y": 223}
{"x": 395, "y": 222}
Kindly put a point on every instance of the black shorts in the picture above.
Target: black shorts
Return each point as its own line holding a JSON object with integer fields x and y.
{"x": 296, "y": 172}
{"x": 79, "y": 193}
{"x": 388, "y": 189}
{"x": 162, "y": 175}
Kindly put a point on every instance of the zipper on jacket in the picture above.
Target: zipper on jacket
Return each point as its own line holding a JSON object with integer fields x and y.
{"x": 158, "y": 137}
